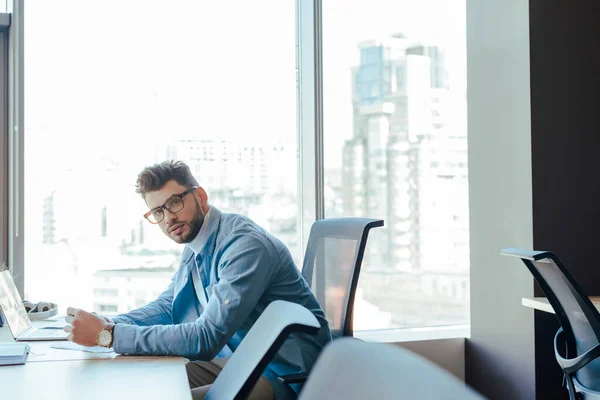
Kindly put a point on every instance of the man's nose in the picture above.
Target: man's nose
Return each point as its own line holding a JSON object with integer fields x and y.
{"x": 170, "y": 216}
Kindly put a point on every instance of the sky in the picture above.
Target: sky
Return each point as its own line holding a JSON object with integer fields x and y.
{"x": 135, "y": 71}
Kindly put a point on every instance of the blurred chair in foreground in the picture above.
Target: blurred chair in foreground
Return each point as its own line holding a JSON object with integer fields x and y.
{"x": 351, "y": 369}
{"x": 248, "y": 362}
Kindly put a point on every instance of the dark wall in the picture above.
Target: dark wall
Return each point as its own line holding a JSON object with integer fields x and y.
{"x": 565, "y": 133}
{"x": 565, "y": 141}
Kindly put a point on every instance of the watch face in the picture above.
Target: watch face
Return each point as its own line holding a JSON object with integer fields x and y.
{"x": 104, "y": 338}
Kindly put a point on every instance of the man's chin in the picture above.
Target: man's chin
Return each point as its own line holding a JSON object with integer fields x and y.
{"x": 181, "y": 239}
{"x": 177, "y": 238}
{"x": 184, "y": 237}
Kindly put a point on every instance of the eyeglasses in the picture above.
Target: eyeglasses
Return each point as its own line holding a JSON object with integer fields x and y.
{"x": 173, "y": 204}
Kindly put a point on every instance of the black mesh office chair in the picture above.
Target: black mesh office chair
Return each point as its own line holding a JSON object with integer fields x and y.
{"x": 248, "y": 362}
{"x": 351, "y": 369}
{"x": 577, "y": 342}
{"x": 331, "y": 267}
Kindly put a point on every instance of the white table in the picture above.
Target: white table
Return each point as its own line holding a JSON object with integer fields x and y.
{"x": 68, "y": 374}
{"x": 542, "y": 304}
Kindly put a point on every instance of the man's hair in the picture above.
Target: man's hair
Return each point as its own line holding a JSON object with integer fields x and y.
{"x": 156, "y": 176}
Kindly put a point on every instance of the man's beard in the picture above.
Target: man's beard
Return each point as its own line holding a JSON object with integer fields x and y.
{"x": 195, "y": 224}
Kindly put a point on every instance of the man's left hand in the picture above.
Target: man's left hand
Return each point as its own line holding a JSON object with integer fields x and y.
{"x": 84, "y": 326}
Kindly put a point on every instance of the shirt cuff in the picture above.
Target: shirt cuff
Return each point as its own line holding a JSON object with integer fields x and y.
{"x": 123, "y": 335}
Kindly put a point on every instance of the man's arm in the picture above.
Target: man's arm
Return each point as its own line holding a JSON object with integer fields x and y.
{"x": 246, "y": 268}
{"x": 157, "y": 312}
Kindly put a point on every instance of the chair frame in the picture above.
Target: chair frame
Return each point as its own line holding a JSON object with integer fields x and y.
{"x": 335, "y": 229}
{"x": 569, "y": 365}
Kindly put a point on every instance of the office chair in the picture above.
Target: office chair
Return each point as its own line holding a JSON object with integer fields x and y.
{"x": 351, "y": 369}
{"x": 578, "y": 318}
{"x": 249, "y": 360}
{"x": 331, "y": 267}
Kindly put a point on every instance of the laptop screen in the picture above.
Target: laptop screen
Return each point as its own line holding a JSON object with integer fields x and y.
{"x": 11, "y": 304}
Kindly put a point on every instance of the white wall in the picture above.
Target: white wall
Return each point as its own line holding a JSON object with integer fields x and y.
{"x": 500, "y": 353}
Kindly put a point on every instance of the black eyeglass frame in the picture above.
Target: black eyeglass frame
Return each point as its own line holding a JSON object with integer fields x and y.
{"x": 180, "y": 195}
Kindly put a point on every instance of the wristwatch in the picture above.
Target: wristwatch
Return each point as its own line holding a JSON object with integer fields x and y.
{"x": 105, "y": 337}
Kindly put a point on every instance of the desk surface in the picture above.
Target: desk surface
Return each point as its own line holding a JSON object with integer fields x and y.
{"x": 541, "y": 303}
{"x": 163, "y": 378}
{"x": 68, "y": 374}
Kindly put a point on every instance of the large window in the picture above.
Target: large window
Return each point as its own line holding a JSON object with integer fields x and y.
{"x": 394, "y": 84}
{"x": 113, "y": 86}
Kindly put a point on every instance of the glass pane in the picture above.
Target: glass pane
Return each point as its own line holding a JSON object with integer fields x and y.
{"x": 396, "y": 149}
{"x": 110, "y": 92}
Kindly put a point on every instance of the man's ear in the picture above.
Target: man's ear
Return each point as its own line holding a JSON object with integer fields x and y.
{"x": 202, "y": 197}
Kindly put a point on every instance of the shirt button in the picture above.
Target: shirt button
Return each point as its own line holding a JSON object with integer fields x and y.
{"x": 226, "y": 301}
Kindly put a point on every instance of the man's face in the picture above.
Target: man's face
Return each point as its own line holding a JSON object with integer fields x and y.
{"x": 181, "y": 226}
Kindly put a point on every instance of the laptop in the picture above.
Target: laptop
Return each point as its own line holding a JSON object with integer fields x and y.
{"x": 16, "y": 318}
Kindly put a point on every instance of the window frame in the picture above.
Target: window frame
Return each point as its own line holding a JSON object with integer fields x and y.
{"x": 4, "y": 35}
{"x": 16, "y": 142}
{"x": 309, "y": 92}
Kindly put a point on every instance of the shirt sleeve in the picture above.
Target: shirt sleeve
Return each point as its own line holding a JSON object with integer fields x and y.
{"x": 247, "y": 264}
{"x": 155, "y": 313}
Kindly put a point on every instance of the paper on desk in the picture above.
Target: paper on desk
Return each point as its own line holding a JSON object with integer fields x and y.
{"x": 75, "y": 346}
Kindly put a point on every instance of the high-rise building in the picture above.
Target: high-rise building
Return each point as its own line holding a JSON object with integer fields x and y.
{"x": 407, "y": 163}
{"x": 437, "y": 55}
{"x": 390, "y": 89}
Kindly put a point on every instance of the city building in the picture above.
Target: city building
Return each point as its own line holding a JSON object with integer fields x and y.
{"x": 407, "y": 164}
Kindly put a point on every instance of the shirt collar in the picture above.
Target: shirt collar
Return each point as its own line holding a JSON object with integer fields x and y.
{"x": 201, "y": 238}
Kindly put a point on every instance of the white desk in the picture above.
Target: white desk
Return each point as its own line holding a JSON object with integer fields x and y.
{"x": 541, "y": 303}
{"x": 68, "y": 374}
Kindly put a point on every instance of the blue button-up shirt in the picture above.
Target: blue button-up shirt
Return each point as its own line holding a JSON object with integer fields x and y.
{"x": 242, "y": 268}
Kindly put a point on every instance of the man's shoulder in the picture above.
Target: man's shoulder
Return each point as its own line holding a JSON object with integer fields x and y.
{"x": 236, "y": 227}
{"x": 232, "y": 224}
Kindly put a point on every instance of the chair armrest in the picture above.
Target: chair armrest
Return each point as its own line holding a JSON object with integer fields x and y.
{"x": 574, "y": 364}
{"x": 293, "y": 378}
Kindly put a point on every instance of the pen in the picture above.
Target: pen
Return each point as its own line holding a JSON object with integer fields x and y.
{"x": 51, "y": 327}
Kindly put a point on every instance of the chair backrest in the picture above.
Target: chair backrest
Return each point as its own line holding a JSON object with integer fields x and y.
{"x": 352, "y": 369}
{"x": 331, "y": 267}
{"x": 576, "y": 314}
{"x": 263, "y": 340}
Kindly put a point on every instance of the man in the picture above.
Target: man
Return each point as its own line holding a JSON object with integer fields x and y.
{"x": 231, "y": 269}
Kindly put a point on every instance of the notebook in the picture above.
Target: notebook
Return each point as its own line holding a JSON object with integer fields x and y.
{"x": 14, "y": 353}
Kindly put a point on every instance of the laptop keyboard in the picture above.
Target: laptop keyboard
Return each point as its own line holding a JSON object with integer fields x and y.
{"x": 47, "y": 333}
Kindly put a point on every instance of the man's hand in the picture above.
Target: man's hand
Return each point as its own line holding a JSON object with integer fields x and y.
{"x": 84, "y": 327}
{"x": 110, "y": 321}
